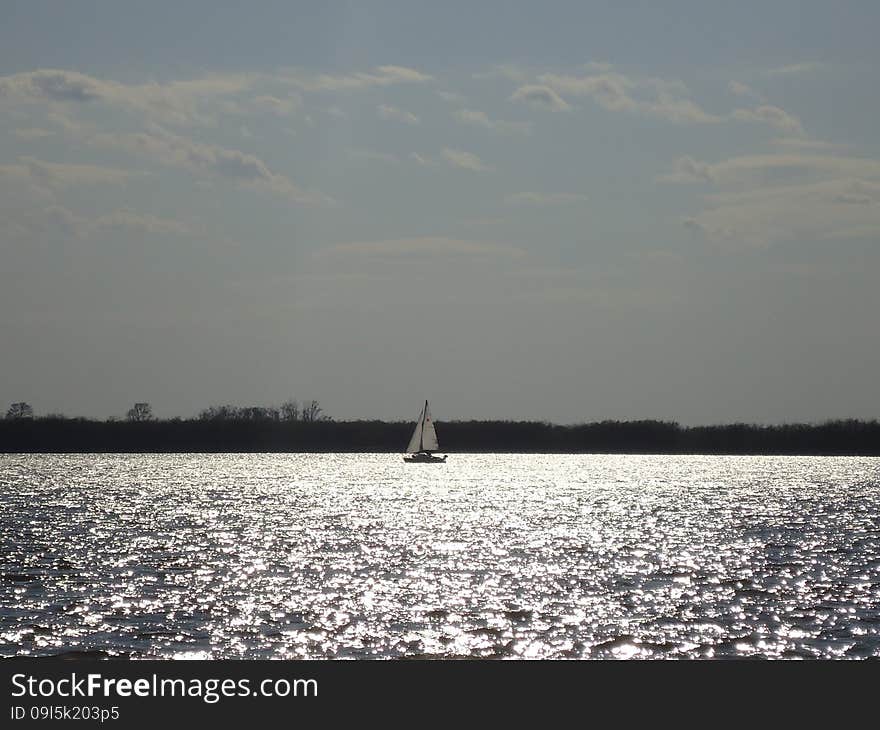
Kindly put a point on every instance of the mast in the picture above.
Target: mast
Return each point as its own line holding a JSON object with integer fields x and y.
{"x": 420, "y": 441}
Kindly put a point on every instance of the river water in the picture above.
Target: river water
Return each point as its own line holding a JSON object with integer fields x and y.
{"x": 487, "y": 555}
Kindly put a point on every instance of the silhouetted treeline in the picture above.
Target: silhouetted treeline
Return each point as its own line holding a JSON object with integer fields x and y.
{"x": 251, "y": 432}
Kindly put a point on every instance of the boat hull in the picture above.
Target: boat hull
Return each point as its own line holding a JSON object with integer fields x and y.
{"x": 422, "y": 458}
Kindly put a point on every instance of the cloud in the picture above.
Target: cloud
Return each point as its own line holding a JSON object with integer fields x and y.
{"x": 617, "y": 92}
{"x": 540, "y": 96}
{"x": 69, "y": 126}
{"x": 610, "y": 90}
{"x": 597, "y": 66}
{"x": 682, "y": 111}
{"x": 43, "y": 177}
{"x": 797, "y": 68}
{"x": 394, "y": 114}
{"x": 481, "y": 119}
{"x": 210, "y": 161}
{"x": 464, "y": 160}
{"x": 503, "y": 71}
{"x": 767, "y": 198}
{"x": 483, "y": 221}
{"x": 175, "y": 102}
{"x": 366, "y": 154}
{"x": 773, "y": 116}
{"x": 825, "y": 210}
{"x": 803, "y": 143}
{"x": 127, "y": 219}
{"x": 767, "y": 168}
{"x": 66, "y": 174}
{"x": 453, "y": 158}
{"x": 33, "y": 133}
{"x": 275, "y": 105}
{"x": 380, "y": 76}
{"x": 688, "y": 170}
{"x": 738, "y": 88}
{"x": 421, "y": 159}
{"x": 56, "y": 85}
{"x": 542, "y": 199}
{"x": 451, "y": 96}
{"x": 666, "y": 99}
{"x": 426, "y": 246}
{"x": 59, "y": 218}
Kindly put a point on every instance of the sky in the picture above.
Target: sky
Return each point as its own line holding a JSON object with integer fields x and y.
{"x": 552, "y": 211}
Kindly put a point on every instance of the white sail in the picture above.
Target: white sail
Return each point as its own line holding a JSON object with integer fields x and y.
{"x": 424, "y": 436}
{"x": 429, "y": 434}
{"x": 415, "y": 443}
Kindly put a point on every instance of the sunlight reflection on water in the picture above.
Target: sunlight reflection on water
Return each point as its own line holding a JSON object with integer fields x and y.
{"x": 488, "y": 555}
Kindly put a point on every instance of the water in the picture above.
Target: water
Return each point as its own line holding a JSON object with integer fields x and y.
{"x": 503, "y": 556}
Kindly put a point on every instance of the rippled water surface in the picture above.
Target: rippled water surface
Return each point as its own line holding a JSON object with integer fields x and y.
{"x": 361, "y": 555}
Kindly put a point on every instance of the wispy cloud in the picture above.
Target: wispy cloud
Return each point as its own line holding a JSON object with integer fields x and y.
{"x": 59, "y": 218}
{"x": 281, "y": 107}
{"x": 367, "y": 154}
{"x": 421, "y": 159}
{"x": 451, "y": 96}
{"x": 803, "y": 143}
{"x": 127, "y": 219}
{"x": 830, "y": 209}
{"x": 542, "y": 97}
{"x": 797, "y": 68}
{"x": 175, "y": 102}
{"x": 481, "y": 119}
{"x": 772, "y": 115}
{"x": 392, "y": 113}
{"x": 380, "y": 76}
{"x": 44, "y": 177}
{"x": 182, "y": 102}
{"x": 769, "y": 168}
{"x": 209, "y": 161}
{"x": 160, "y": 145}
{"x": 30, "y": 133}
{"x": 425, "y": 246}
{"x": 764, "y": 198}
{"x": 688, "y": 170}
{"x": 464, "y": 160}
{"x": 452, "y": 158}
{"x": 616, "y": 92}
{"x": 737, "y": 88}
{"x": 57, "y": 85}
{"x": 542, "y": 199}
{"x": 503, "y": 71}
{"x": 667, "y": 99}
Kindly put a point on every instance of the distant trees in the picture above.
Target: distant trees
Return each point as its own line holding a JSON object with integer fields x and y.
{"x": 140, "y": 412}
{"x": 219, "y": 413}
{"x": 239, "y": 413}
{"x": 289, "y": 411}
{"x": 258, "y": 429}
{"x": 312, "y": 411}
{"x": 258, "y": 413}
{"x": 18, "y": 411}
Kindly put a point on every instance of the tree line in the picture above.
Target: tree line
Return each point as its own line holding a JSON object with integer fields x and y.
{"x": 289, "y": 411}
{"x": 303, "y": 427}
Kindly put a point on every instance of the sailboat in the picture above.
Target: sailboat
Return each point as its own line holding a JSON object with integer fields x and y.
{"x": 424, "y": 443}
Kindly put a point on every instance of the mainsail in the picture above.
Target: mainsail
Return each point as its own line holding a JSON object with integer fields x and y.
{"x": 424, "y": 436}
